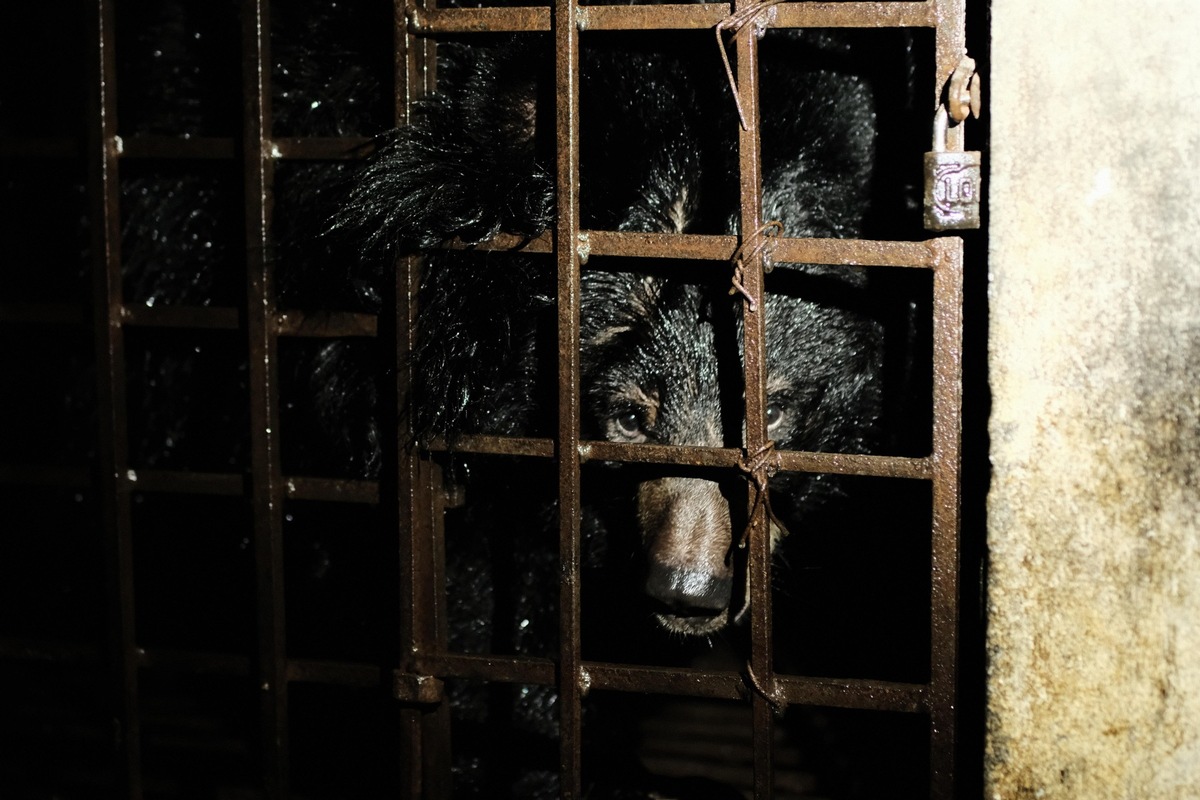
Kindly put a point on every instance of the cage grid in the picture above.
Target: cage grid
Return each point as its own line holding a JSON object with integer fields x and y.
{"x": 411, "y": 492}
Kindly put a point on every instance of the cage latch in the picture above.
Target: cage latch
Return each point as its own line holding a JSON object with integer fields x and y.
{"x": 408, "y": 687}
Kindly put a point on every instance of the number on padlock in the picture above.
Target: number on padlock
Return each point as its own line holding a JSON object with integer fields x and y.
{"x": 953, "y": 181}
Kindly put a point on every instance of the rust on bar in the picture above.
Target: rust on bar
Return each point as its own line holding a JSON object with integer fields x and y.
{"x": 861, "y": 694}
{"x": 651, "y": 17}
{"x": 856, "y": 15}
{"x": 365, "y": 676}
{"x": 426, "y": 21}
{"x": 332, "y": 490}
{"x": 502, "y": 669}
{"x": 330, "y": 148}
{"x": 495, "y": 445}
{"x": 947, "y": 467}
{"x": 326, "y": 324}
{"x": 570, "y": 691}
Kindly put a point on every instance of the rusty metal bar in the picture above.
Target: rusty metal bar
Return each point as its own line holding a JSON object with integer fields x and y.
{"x": 857, "y": 15}
{"x": 50, "y": 147}
{"x": 699, "y": 247}
{"x": 43, "y": 313}
{"x": 947, "y": 468}
{"x": 325, "y": 324}
{"x": 672, "y": 17}
{"x": 41, "y": 475}
{"x": 426, "y": 20}
{"x": 500, "y": 669}
{"x": 266, "y": 484}
{"x": 332, "y": 490}
{"x": 195, "y": 317}
{"x": 112, "y": 441}
{"x": 181, "y": 482}
{"x": 950, "y": 45}
{"x": 322, "y": 148}
{"x": 570, "y": 690}
{"x": 424, "y": 731}
{"x": 178, "y": 147}
{"x": 762, "y": 661}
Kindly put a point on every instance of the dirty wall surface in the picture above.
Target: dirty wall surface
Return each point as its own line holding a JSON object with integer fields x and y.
{"x": 1094, "y": 512}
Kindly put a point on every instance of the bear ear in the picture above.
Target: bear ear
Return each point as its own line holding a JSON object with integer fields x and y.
{"x": 614, "y": 303}
{"x": 466, "y": 168}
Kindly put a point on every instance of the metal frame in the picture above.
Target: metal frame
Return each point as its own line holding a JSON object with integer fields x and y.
{"x": 415, "y": 497}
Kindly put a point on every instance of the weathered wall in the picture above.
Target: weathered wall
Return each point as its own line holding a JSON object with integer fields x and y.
{"x": 1094, "y": 513}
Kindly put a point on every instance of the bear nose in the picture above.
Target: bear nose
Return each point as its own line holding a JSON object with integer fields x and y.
{"x": 687, "y": 592}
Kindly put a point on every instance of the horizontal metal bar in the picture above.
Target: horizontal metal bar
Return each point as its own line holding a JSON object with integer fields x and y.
{"x": 855, "y": 252}
{"x": 789, "y": 460}
{"x": 50, "y": 652}
{"x": 200, "y": 317}
{"x": 656, "y": 17}
{"x": 496, "y": 445}
{"x": 673, "y": 455}
{"x": 839, "y": 693}
{"x": 227, "y": 664}
{"x": 846, "y": 693}
{"x": 434, "y": 21}
{"x": 508, "y": 242}
{"x": 332, "y": 490}
{"x": 156, "y": 480}
{"x": 699, "y": 16}
{"x": 45, "y": 475}
{"x": 33, "y": 147}
{"x": 659, "y": 245}
{"x": 504, "y": 669}
{"x": 854, "y": 464}
{"x": 322, "y": 148}
{"x": 331, "y": 324}
{"x": 172, "y": 147}
{"x": 856, "y": 15}
{"x": 689, "y": 456}
{"x": 662, "y": 680}
{"x": 690, "y": 246}
{"x": 367, "y": 676}
{"x": 43, "y": 313}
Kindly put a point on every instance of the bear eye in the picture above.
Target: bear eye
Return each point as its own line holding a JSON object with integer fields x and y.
{"x": 628, "y": 425}
{"x": 774, "y": 415}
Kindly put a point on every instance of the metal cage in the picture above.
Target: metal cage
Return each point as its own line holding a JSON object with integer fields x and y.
{"x": 267, "y": 686}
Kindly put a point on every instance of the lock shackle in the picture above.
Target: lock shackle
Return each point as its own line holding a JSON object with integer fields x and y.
{"x": 941, "y": 123}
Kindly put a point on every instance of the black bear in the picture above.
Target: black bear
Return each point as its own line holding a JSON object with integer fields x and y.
{"x": 659, "y": 342}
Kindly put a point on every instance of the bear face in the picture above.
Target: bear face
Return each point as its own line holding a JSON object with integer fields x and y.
{"x": 666, "y": 369}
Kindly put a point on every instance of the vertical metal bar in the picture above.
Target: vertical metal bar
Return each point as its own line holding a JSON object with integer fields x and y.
{"x": 754, "y": 336}
{"x": 566, "y": 50}
{"x": 950, "y": 46}
{"x": 947, "y": 467}
{"x": 425, "y": 732}
{"x": 113, "y": 455}
{"x": 266, "y": 485}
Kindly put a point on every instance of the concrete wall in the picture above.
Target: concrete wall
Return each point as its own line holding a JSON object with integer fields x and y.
{"x": 1093, "y": 531}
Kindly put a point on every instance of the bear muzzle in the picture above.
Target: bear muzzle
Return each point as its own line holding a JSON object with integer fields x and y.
{"x": 687, "y": 531}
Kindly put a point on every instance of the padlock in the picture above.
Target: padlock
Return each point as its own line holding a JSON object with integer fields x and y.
{"x": 953, "y": 181}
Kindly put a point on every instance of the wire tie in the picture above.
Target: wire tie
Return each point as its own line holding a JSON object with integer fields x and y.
{"x": 759, "y": 240}
{"x": 761, "y": 14}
